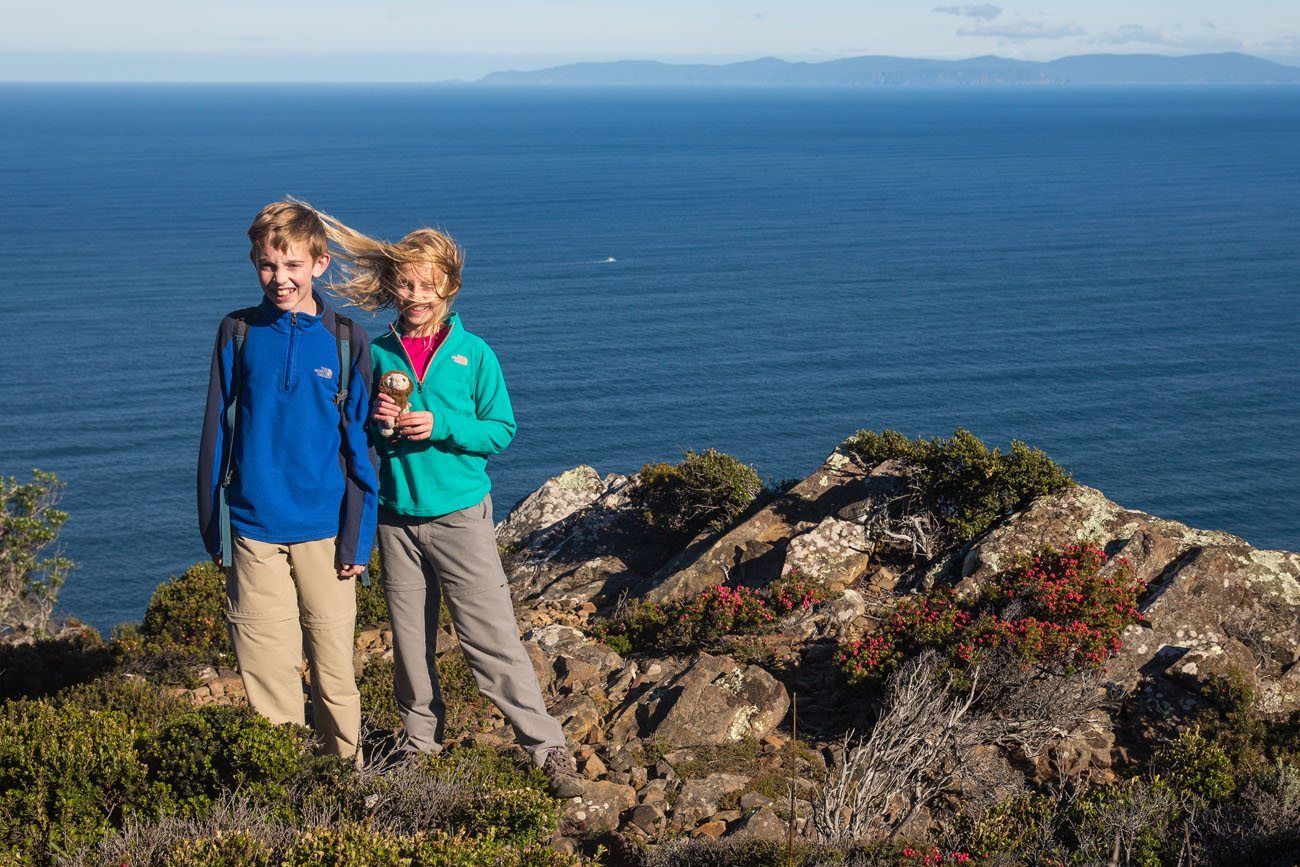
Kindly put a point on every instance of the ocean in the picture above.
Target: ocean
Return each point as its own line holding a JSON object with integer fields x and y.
{"x": 1108, "y": 274}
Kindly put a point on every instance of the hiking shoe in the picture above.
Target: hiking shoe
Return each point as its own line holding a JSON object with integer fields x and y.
{"x": 562, "y": 773}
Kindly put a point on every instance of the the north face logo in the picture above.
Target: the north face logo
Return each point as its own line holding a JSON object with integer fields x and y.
{"x": 324, "y": 373}
{"x": 460, "y": 359}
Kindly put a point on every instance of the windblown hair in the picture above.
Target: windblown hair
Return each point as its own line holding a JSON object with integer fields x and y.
{"x": 370, "y": 269}
{"x": 283, "y": 224}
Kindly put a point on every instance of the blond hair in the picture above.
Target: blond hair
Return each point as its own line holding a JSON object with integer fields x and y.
{"x": 280, "y": 225}
{"x": 370, "y": 269}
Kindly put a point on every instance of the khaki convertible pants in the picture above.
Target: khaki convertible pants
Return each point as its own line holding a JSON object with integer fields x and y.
{"x": 276, "y": 615}
{"x": 457, "y": 553}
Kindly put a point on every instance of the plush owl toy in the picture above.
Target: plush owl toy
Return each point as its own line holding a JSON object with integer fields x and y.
{"x": 396, "y": 385}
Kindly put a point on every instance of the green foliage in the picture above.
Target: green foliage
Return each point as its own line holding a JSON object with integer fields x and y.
{"x": 706, "y": 619}
{"x": 29, "y": 523}
{"x": 378, "y": 702}
{"x": 1061, "y": 612}
{"x": 358, "y": 846}
{"x": 223, "y": 849}
{"x": 187, "y": 614}
{"x": 706, "y": 490}
{"x": 468, "y": 710}
{"x": 372, "y": 608}
{"x": 145, "y": 705}
{"x": 46, "y": 666}
{"x": 967, "y": 486}
{"x": 1142, "y": 815}
{"x": 67, "y": 775}
{"x": 1201, "y": 767}
{"x": 219, "y": 749}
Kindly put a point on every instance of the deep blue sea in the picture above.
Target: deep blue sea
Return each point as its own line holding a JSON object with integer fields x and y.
{"x": 1109, "y": 274}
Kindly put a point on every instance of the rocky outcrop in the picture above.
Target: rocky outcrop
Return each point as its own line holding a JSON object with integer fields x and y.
{"x": 1215, "y": 607}
{"x": 576, "y": 539}
{"x": 817, "y": 528}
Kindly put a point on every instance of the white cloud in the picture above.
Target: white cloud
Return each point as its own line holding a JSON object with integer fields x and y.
{"x": 982, "y": 11}
{"x": 1131, "y": 34}
{"x": 1022, "y": 30}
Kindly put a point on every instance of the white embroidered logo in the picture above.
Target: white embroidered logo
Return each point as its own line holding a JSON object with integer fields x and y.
{"x": 460, "y": 359}
{"x": 324, "y": 373}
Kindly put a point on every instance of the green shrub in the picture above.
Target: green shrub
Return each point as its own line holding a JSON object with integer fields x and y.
{"x": 220, "y": 749}
{"x": 484, "y": 767}
{"x": 187, "y": 614}
{"x": 706, "y": 619}
{"x": 347, "y": 846}
{"x": 67, "y": 776}
{"x": 46, "y": 666}
{"x": 468, "y": 710}
{"x": 29, "y": 523}
{"x": 372, "y": 608}
{"x": 223, "y": 849}
{"x": 1201, "y": 767}
{"x": 1141, "y": 815}
{"x": 967, "y": 486}
{"x": 706, "y": 490}
{"x": 145, "y": 705}
{"x": 378, "y": 702}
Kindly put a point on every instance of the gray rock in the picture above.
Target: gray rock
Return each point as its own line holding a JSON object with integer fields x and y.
{"x": 699, "y": 799}
{"x": 598, "y": 808}
{"x": 595, "y": 552}
{"x": 764, "y": 824}
{"x": 713, "y": 700}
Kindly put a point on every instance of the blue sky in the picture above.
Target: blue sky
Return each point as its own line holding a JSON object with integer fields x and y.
{"x": 345, "y": 39}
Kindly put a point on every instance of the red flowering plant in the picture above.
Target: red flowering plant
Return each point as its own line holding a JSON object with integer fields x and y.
{"x": 1061, "y": 611}
{"x": 710, "y": 616}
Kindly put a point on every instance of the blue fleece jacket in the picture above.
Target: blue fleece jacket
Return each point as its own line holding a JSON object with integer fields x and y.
{"x": 301, "y": 470}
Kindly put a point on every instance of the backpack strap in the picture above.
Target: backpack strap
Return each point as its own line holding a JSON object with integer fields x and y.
{"x": 241, "y": 318}
{"x": 343, "y": 333}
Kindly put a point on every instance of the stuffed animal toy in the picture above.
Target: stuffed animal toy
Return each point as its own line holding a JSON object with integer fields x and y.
{"x": 396, "y": 385}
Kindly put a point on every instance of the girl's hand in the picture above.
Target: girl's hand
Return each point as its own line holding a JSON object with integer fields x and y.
{"x": 385, "y": 409}
{"x": 415, "y": 425}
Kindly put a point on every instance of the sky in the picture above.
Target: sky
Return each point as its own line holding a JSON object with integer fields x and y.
{"x": 430, "y": 40}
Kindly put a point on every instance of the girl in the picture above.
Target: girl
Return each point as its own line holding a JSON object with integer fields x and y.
{"x": 436, "y": 536}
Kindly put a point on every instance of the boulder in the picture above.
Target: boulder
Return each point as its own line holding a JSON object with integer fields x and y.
{"x": 825, "y": 507}
{"x": 700, "y": 799}
{"x": 598, "y": 809}
{"x": 554, "y": 502}
{"x": 594, "y": 552}
{"x": 711, "y": 700}
{"x": 763, "y": 824}
{"x": 1213, "y": 605}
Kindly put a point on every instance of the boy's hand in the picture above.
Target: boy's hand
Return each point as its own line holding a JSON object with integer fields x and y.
{"x": 351, "y": 571}
{"x": 385, "y": 409}
{"x": 415, "y": 425}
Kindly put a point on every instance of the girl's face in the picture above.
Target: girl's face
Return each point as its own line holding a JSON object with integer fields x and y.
{"x": 420, "y": 306}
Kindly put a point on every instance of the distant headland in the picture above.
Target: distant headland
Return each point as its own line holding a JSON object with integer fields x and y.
{"x": 884, "y": 71}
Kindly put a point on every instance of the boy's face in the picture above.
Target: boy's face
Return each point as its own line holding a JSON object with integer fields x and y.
{"x": 286, "y": 276}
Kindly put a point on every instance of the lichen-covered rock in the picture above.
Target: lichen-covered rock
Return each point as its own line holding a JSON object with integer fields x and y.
{"x": 834, "y": 554}
{"x": 755, "y": 551}
{"x": 598, "y": 809}
{"x": 592, "y": 554}
{"x": 700, "y": 799}
{"x": 1214, "y": 607}
{"x": 556, "y": 500}
{"x": 712, "y": 700}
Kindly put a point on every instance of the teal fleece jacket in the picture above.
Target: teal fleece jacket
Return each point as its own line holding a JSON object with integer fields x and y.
{"x": 472, "y": 419}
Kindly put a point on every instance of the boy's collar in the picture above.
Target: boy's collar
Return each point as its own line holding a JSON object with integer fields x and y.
{"x": 325, "y": 313}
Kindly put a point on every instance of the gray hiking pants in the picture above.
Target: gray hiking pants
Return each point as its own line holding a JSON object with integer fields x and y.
{"x": 457, "y": 553}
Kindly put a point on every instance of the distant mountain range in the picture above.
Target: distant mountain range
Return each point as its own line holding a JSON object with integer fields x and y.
{"x": 880, "y": 71}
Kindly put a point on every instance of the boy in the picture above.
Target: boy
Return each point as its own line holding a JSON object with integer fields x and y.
{"x": 287, "y": 482}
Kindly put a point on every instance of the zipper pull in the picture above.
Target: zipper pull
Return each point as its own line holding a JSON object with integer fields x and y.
{"x": 293, "y": 320}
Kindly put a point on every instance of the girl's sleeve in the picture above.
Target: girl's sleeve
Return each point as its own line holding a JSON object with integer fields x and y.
{"x": 493, "y": 426}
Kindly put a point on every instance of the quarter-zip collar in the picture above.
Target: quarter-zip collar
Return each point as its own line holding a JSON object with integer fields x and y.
{"x": 452, "y": 321}
{"x": 284, "y": 320}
